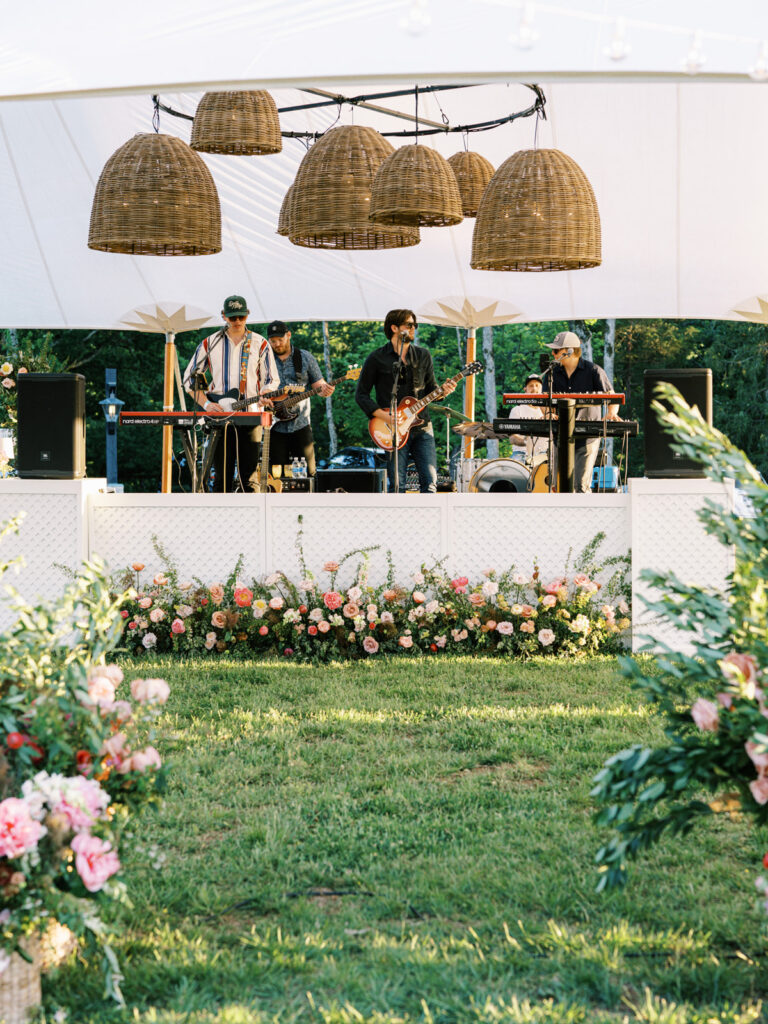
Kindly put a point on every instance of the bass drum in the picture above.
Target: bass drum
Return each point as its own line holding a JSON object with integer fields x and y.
{"x": 499, "y": 475}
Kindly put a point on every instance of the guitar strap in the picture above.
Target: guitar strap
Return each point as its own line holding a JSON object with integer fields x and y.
{"x": 244, "y": 363}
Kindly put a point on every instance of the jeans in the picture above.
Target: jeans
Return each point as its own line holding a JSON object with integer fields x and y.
{"x": 287, "y": 444}
{"x": 419, "y": 448}
{"x": 583, "y": 463}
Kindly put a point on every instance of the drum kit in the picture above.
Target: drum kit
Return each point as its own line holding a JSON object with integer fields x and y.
{"x": 529, "y": 474}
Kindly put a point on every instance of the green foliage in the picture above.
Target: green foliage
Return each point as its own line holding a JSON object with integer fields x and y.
{"x": 717, "y": 743}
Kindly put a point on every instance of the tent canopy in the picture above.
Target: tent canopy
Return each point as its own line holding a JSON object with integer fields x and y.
{"x": 676, "y": 161}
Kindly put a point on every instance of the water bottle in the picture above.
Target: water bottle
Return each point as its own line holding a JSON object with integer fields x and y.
{"x": 294, "y": 468}
{"x": 303, "y": 468}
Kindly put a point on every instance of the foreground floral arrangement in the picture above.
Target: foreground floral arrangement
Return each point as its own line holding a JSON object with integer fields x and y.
{"x": 76, "y": 761}
{"x": 714, "y": 701}
{"x": 509, "y": 613}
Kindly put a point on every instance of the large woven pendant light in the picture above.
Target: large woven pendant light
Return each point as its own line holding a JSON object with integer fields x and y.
{"x": 331, "y": 194}
{"x": 156, "y": 197}
{"x": 538, "y": 213}
{"x": 473, "y": 172}
{"x": 239, "y": 123}
{"x": 415, "y": 185}
{"x": 284, "y": 220}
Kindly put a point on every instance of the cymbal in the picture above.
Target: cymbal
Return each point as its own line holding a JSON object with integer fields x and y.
{"x": 448, "y": 411}
{"x": 479, "y": 430}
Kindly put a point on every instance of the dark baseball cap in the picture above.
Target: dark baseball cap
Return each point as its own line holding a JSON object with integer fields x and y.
{"x": 530, "y": 377}
{"x": 276, "y": 329}
{"x": 235, "y": 305}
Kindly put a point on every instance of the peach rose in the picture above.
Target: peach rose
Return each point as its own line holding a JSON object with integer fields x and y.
{"x": 350, "y": 610}
{"x": 477, "y": 600}
{"x": 136, "y": 566}
{"x": 527, "y": 627}
{"x": 705, "y": 715}
{"x": 418, "y": 597}
{"x": 405, "y": 641}
{"x": 276, "y": 603}
{"x": 150, "y": 691}
{"x": 548, "y": 601}
{"x": 331, "y": 566}
{"x": 219, "y": 620}
{"x": 160, "y": 579}
{"x": 323, "y": 626}
{"x": 216, "y": 590}
{"x": 101, "y": 690}
{"x": 370, "y": 646}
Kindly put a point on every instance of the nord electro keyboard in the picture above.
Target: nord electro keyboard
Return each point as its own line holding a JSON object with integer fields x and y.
{"x": 185, "y": 420}
{"x": 586, "y": 398}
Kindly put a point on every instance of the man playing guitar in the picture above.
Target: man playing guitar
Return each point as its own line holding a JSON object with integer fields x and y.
{"x": 416, "y": 377}
{"x": 236, "y": 358}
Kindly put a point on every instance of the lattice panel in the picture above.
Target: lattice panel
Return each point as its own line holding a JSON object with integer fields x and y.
{"x": 527, "y": 534}
{"x": 412, "y": 531}
{"x": 202, "y": 540}
{"x": 667, "y": 536}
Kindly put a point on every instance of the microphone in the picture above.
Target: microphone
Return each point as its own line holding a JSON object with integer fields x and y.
{"x": 569, "y": 351}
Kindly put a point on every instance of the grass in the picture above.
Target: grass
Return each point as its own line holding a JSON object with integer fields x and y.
{"x": 412, "y": 841}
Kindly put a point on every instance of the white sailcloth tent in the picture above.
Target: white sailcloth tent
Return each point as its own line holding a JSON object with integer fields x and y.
{"x": 662, "y": 104}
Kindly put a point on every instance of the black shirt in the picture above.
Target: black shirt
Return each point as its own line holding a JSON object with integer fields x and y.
{"x": 586, "y": 378}
{"x": 417, "y": 378}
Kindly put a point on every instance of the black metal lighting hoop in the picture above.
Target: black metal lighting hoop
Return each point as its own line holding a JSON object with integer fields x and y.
{"x": 537, "y": 108}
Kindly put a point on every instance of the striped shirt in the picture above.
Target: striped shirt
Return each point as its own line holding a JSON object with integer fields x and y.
{"x": 220, "y": 357}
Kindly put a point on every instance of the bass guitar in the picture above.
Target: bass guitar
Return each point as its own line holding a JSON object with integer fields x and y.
{"x": 267, "y": 482}
{"x": 284, "y": 401}
{"x": 408, "y": 411}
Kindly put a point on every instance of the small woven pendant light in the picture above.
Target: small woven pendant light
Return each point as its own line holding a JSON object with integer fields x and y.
{"x": 284, "y": 220}
{"x": 155, "y": 197}
{"x": 538, "y": 213}
{"x": 473, "y": 172}
{"x": 331, "y": 194}
{"x": 239, "y": 123}
{"x": 415, "y": 185}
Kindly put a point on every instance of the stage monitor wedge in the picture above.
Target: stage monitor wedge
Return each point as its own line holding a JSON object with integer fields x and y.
{"x": 695, "y": 385}
{"x": 51, "y": 426}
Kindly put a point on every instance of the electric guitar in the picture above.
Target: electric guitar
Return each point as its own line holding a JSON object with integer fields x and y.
{"x": 408, "y": 411}
{"x": 266, "y": 481}
{"x": 284, "y": 400}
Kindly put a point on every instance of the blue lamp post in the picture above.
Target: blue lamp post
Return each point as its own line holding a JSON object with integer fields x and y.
{"x": 111, "y": 406}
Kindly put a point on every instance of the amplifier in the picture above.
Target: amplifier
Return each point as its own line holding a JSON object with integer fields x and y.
{"x": 298, "y": 485}
{"x": 352, "y": 481}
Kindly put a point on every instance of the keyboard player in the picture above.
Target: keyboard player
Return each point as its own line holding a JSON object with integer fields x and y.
{"x": 572, "y": 373}
{"x": 524, "y": 446}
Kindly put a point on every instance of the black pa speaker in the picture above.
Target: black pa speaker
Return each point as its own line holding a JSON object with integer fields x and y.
{"x": 357, "y": 481}
{"x": 51, "y": 425}
{"x": 695, "y": 385}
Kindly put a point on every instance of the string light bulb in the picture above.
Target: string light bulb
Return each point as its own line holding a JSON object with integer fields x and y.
{"x": 618, "y": 48}
{"x": 695, "y": 59}
{"x": 526, "y": 34}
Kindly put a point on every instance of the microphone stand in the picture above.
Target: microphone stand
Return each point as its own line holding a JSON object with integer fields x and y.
{"x": 551, "y": 440}
{"x": 198, "y": 382}
{"x": 393, "y": 414}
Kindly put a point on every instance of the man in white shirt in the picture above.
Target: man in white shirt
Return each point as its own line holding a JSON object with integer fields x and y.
{"x": 525, "y": 447}
{"x": 241, "y": 365}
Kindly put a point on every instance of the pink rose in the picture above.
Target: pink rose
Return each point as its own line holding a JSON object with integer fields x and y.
{"x": 210, "y": 641}
{"x": 113, "y": 672}
{"x": 760, "y": 761}
{"x": 725, "y": 700}
{"x": 323, "y": 626}
{"x": 156, "y": 615}
{"x": 263, "y": 630}
{"x": 142, "y": 761}
{"x": 331, "y": 566}
{"x": 554, "y": 586}
{"x": 526, "y": 611}
{"x": 101, "y": 690}
{"x": 351, "y": 610}
{"x": 145, "y": 602}
{"x": 548, "y": 601}
{"x": 150, "y": 691}
{"x": 738, "y": 667}
{"x": 243, "y": 597}
{"x": 219, "y": 620}
{"x": 217, "y": 593}
{"x": 505, "y": 628}
{"x": 177, "y": 626}
{"x": 477, "y": 600}
{"x": 759, "y": 790}
{"x": 333, "y": 600}
{"x": 370, "y": 645}
{"x": 115, "y": 749}
{"x": 405, "y": 641}
{"x": 580, "y": 579}
{"x": 19, "y": 832}
{"x": 490, "y": 624}
{"x": 546, "y": 637}
{"x": 95, "y": 860}
{"x": 276, "y": 603}
{"x": 705, "y": 715}
{"x": 160, "y": 579}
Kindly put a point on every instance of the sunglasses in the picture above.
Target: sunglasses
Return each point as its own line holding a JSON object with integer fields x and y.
{"x": 410, "y": 324}
{"x": 237, "y": 318}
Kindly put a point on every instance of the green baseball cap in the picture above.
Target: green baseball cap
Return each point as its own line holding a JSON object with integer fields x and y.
{"x": 235, "y": 305}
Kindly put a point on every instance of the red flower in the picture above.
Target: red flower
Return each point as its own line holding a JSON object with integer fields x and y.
{"x": 765, "y": 860}
{"x": 84, "y": 761}
{"x": 124, "y": 613}
{"x": 14, "y": 740}
{"x": 288, "y": 652}
{"x": 333, "y": 600}
{"x": 433, "y": 648}
{"x": 302, "y": 609}
{"x": 371, "y": 625}
{"x": 132, "y": 625}
{"x": 312, "y": 630}
{"x": 203, "y": 601}
{"x": 31, "y": 741}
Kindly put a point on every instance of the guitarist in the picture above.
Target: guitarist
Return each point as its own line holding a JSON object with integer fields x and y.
{"x": 293, "y": 437}
{"x": 416, "y": 379}
{"x": 233, "y": 358}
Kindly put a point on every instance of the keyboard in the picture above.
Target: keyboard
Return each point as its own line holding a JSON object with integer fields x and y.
{"x": 185, "y": 420}
{"x": 581, "y": 428}
{"x": 586, "y": 398}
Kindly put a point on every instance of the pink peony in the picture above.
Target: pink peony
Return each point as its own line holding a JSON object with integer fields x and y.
{"x": 219, "y": 620}
{"x": 101, "y": 689}
{"x": 404, "y": 641}
{"x": 351, "y": 610}
{"x": 705, "y": 715}
{"x": 150, "y": 691}
{"x": 156, "y": 615}
{"x": 82, "y": 803}
{"x": 548, "y": 601}
{"x": 738, "y": 667}
{"x": 217, "y": 593}
{"x": 546, "y": 637}
{"x": 19, "y": 832}
{"x": 149, "y": 640}
{"x": 323, "y": 626}
{"x": 276, "y": 603}
{"x": 145, "y": 602}
{"x": 243, "y": 597}
{"x": 332, "y": 600}
{"x": 759, "y": 790}
{"x": 177, "y": 626}
{"x": 760, "y": 761}
{"x": 370, "y": 645}
{"x": 95, "y": 860}
{"x": 142, "y": 761}
{"x": 505, "y": 628}
{"x": 331, "y": 566}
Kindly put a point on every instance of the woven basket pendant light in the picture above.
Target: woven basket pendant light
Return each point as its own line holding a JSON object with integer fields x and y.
{"x": 538, "y": 213}
{"x": 416, "y": 186}
{"x": 473, "y": 172}
{"x": 156, "y": 197}
{"x": 237, "y": 123}
{"x": 331, "y": 194}
{"x": 284, "y": 220}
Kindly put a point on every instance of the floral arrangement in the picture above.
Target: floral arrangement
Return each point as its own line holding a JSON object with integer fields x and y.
{"x": 714, "y": 700}
{"x": 507, "y": 613}
{"x": 76, "y": 760}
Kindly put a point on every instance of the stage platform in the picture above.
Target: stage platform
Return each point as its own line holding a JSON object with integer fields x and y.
{"x": 68, "y": 521}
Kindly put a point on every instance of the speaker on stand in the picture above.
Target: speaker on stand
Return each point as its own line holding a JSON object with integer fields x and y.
{"x": 695, "y": 385}
{"x": 51, "y": 426}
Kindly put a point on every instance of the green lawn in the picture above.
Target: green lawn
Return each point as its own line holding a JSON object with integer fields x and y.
{"x": 412, "y": 841}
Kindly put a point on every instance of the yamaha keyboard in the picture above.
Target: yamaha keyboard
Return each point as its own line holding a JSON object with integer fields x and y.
{"x": 581, "y": 398}
{"x": 581, "y": 428}
{"x": 185, "y": 420}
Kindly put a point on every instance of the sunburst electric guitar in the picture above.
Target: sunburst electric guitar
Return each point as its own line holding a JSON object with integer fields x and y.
{"x": 408, "y": 411}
